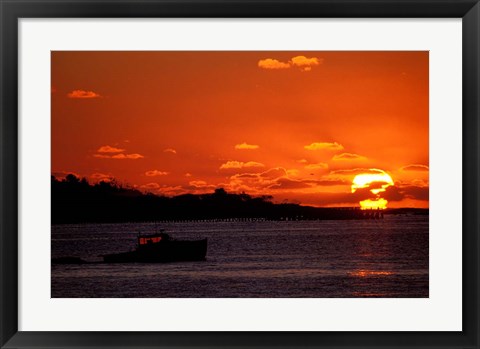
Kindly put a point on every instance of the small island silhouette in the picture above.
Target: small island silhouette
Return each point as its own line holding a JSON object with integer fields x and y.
{"x": 75, "y": 200}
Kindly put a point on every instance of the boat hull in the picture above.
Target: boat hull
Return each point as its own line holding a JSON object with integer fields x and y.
{"x": 166, "y": 251}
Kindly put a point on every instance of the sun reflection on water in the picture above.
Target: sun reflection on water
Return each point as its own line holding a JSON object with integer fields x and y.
{"x": 366, "y": 273}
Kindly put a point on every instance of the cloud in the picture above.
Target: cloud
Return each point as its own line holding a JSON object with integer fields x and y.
{"x": 170, "y": 150}
{"x": 397, "y": 193}
{"x": 193, "y": 187}
{"x": 277, "y": 179}
{"x": 417, "y": 193}
{"x": 302, "y": 161}
{"x": 198, "y": 183}
{"x": 348, "y": 157}
{"x": 239, "y": 164}
{"x": 354, "y": 171}
{"x": 274, "y": 173}
{"x": 245, "y": 146}
{"x": 288, "y": 183}
{"x": 109, "y": 152}
{"x": 301, "y": 62}
{"x": 82, "y": 94}
{"x": 305, "y": 63}
{"x": 319, "y": 166}
{"x": 417, "y": 168}
{"x": 120, "y": 156}
{"x": 128, "y": 156}
{"x": 150, "y": 186}
{"x": 420, "y": 183}
{"x": 324, "y": 146}
{"x": 293, "y": 172}
{"x": 101, "y": 177}
{"x": 255, "y": 182}
{"x": 270, "y": 63}
{"x": 172, "y": 191}
{"x": 246, "y": 175}
{"x": 109, "y": 149}
{"x": 199, "y": 187}
{"x": 154, "y": 173}
{"x": 350, "y": 174}
{"x": 262, "y": 179}
{"x": 329, "y": 182}
{"x": 188, "y": 174}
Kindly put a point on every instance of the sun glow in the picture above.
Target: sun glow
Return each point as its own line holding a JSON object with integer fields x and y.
{"x": 377, "y": 182}
{"x": 373, "y": 204}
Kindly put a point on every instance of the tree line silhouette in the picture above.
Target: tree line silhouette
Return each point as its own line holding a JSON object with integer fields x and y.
{"x": 75, "y": 200}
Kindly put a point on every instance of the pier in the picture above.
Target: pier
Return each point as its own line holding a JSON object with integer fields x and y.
{"x": 340, "y": 213}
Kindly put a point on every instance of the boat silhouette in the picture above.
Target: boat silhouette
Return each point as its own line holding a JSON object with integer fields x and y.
{"x": 161, "y": 248}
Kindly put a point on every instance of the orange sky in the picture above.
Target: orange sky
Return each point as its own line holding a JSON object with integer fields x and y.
{"x": 295, "y": 125}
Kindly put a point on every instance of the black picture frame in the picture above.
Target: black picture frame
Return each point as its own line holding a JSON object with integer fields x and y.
{"x": 13, "y": 10}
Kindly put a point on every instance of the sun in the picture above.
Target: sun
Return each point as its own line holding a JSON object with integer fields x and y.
{"x": 377, "y": 181}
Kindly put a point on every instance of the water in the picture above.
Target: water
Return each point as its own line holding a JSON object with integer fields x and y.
{"x": 317, "y": 259}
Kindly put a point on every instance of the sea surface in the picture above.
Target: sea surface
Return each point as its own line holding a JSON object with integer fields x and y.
{"x": 316, "y": 259}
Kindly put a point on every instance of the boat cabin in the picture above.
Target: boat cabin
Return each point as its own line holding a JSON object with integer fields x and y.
{"x": 152, "y": 238}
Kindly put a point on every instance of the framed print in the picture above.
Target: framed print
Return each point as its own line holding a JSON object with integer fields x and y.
{"x": 248, "y": 174}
